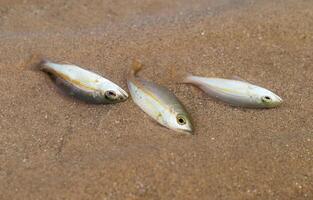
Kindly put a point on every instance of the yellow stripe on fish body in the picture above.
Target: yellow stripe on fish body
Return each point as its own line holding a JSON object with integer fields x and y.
{"x": 235, "y": 92}
{"x": 77, "y": 75}
{"x": 147, "y": 101}
{"x": 72, "y": 80}
{"x": 84, "y": 84}
{"x": 160, "y": 104}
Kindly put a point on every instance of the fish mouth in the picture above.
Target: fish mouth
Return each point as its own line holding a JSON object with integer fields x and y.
{"x": 276, "y": 103}
{"x": 185, "y": 131}
{"x": 124, "y": 95}
{"x": 279, "y": 100}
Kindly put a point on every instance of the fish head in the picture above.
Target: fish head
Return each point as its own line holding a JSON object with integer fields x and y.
{"x": 269, "y": 99}
{"x": 115, "y": 94}
{"x": 180, "y": 121}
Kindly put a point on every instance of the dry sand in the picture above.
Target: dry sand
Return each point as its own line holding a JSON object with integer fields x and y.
{"x": 53, "y": 147}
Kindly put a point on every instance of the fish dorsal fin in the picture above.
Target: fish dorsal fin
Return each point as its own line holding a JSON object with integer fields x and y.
{"x": 34, "y": 62}
{"x": 238, "y": 78}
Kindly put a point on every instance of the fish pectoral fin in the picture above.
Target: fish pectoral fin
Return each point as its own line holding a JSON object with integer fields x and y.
{"x": 66, "y": 63}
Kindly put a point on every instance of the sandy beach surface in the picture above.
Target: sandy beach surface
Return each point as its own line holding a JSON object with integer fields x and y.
{"x": 55, "y": 147}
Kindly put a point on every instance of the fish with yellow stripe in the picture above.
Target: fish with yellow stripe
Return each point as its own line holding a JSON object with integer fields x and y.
{"x": 235, "y": 92}
{"x": 83, "y": 84}
{"x": 158, "y": 102}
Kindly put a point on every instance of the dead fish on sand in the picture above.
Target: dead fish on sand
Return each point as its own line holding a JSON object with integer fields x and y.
{"x": 236, "y": 92}
{"x": 83, "y": 84}
{"x": 158, "y": 102}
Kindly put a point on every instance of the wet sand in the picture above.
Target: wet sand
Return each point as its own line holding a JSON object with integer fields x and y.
{"x": 53, "y": 147}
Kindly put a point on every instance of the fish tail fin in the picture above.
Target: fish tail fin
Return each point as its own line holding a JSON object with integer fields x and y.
{"x": 135, "y": 68}
{"x": 36, "y": 62}
{"x": 180, "y": 76}
{"x": 42, "y": 64}
{"x": 187, "y": 78}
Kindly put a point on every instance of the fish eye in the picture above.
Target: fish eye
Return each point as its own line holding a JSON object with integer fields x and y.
{"x": 266, "y": 99}
{"x": 110, "y": 94}
{"x": 181, "y": 120}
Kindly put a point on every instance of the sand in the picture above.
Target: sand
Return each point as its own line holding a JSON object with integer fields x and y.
{"x": 54, "y": 147}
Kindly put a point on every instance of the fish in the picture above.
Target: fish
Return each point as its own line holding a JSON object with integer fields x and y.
{"x": 235, "y": 92}
{"x": 158, "y": 102}
{"x": 83, "y": 84}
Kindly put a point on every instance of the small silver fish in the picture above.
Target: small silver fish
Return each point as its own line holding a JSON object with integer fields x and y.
{"x": 158, "y": 102}
{"x": 236, "y": 92}
{"x": 83, "y": 84}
